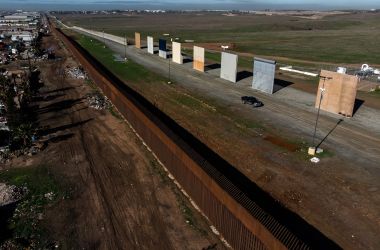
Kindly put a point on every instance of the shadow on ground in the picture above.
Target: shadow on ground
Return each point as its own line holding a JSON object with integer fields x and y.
{"x": 243, "y": 75}
{"x": 57, "y": 90}
{"x": 212, "y": 66}
{"x": 357, "y": 105}
{"x": 59, "y": 106}
{"x": 280, "y": 84}
{"x": 47, "y": 131}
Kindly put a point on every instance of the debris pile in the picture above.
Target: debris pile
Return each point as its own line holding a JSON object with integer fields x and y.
{"x": 6, "y": 155}
{"x": 98, "y": 101}
{"x": 77, "y": 73}
{"x": 366, "y": 71}
{"x": 10, "y": 194}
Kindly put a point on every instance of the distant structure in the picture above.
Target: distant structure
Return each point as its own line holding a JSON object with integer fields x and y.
{"x": 27, "y": 21}
{"x": 341, "y": 70}
{"x": 228, "y": 69}
{"x": 162, "y": 48}
{"x": 263, "y": 75}
{"x": 137, "y": 40}
{"x": 176, "y": 52}
{"x": 199, "y": 59}
{"x": 339, "y": 92}
{"x": 150, "y": 44}
{"x": 23, "y": 36}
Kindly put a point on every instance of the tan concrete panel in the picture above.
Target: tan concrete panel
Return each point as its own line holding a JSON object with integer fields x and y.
{"x": 348, "y": 96}
{"x": 340, "y": 93}
{"x": 137, "y": 40}
{"x": 177, "y": 55}
{"x": 199, "y": 58}
{"x": 198, "y": 65}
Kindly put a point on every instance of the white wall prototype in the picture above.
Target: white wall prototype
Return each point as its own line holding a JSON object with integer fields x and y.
{"x": 176, "y": 51}
{"x": 228, "y": 69}
{"x": 150, "y": 45}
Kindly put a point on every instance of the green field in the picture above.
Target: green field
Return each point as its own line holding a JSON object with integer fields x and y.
{"x": 347, "y": 39}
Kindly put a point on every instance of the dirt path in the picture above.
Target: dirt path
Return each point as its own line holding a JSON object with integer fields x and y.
{"x": 120, "y": 197}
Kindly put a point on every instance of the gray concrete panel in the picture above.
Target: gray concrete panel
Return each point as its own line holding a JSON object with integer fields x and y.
{"x": 263, "y": 75}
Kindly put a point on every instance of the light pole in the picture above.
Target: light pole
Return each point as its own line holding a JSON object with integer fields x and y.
{"x": 169, "y": 82}
{"x": 313, "y": 150}
{"x": 125, "y": 47}
{"x": 104, "y": 40}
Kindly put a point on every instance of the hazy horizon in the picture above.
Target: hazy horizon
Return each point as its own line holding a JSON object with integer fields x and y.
{"x": 185, "y": 4}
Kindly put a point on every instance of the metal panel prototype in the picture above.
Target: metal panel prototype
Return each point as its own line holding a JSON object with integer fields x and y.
{"x": 162, "y": 48}
{"x": 177, "y": 55}
{"x": 199, "y": 59}
{"x": 150, "y": 44}
{"x": 263, "y": 75}
{"x": 339, "y": 92}
{"x": 229, "y": 66}
{"x": 137, "y": 40}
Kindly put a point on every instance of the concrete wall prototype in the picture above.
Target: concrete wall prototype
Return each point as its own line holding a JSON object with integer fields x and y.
{"x": 340, "y": 93}
{"x": 162, "y": 48}
{"x": 229, "y": 66}
{"x": 149, "y": 41}
{"x": 263, "y": 75}
{"x": 199, "y": 59}
{"x": 176, "y": 51}
{"x": 137, "y": 40}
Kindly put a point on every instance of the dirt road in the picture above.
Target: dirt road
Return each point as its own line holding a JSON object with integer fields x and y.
{"x": 120, "y": 197}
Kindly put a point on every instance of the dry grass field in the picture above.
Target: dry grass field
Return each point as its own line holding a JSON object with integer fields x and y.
{"x": 344, "y": 39}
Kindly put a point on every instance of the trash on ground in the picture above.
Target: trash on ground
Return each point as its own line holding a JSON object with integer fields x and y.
{"x": 319, "y": 150}
{"x": 98, "y": 101}
{"x": 10, "y": 194}
{"x": 315, "y": 160}
{"x": 77, "y": 73}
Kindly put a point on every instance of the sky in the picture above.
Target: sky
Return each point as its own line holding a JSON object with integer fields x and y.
{"x": 190, "y": 4}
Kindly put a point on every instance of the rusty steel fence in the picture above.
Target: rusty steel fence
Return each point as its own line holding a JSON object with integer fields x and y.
{"x": 244, "y": 215}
